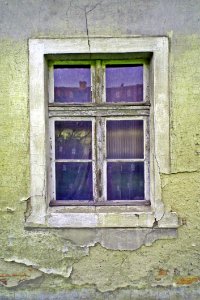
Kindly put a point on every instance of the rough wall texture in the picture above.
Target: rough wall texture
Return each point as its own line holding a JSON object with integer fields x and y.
{"x": 42, "y": 264}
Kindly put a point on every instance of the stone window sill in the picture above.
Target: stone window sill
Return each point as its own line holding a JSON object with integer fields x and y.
{"x": 103, "y": 217}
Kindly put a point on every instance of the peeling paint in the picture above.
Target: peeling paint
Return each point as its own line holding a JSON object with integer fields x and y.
{"x": 12, "y": 274}
{"x": 116, "y": 239}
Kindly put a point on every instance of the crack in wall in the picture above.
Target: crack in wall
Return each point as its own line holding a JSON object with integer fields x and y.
{"x": 86, "y": 22}
{"x": 184, "y": 172}
{"x": 28, "y": 210}
{"x": 87, "y": 10}
{"x": 69, "y": 7}
{"x": 87, "y": 31}
{"x": 157, "y": 163}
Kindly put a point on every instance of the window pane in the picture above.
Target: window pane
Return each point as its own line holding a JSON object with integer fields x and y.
{"x": 73, "y": 139}
{"x": 74, "y": 181}
{"x": 125, "y": 139}
{"x": 125, "y": 181}
{"x": 72, "y": 84}
{"x": 124, "y": 83}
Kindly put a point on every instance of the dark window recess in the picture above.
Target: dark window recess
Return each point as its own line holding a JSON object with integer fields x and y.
{"x": 124, "y": 83}
{"x": 73, "y": 141}
{"x": 72, "y": 84}
{"x": 74, "y": 181}
{"x": 125, "y": 139}
{"x": 125, "y": 181}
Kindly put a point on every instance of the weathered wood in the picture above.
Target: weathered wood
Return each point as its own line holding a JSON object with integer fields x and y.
{"x": 96, "y": 112}
{"x": 100, "y": 203}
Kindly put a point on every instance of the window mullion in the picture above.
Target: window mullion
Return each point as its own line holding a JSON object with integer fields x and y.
{"x": 98, "y": 82}
{"x": 100, "y": 158}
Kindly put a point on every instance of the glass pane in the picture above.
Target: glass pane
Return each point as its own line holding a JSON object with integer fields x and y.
{"x": 125, "y": 181}
{"x": 72, "y": 84}
{"x": 73, "y": 139}
{"x": 124, "y": 83}
{"x": 125, "y": 139}
{"x": 74, "y": 181}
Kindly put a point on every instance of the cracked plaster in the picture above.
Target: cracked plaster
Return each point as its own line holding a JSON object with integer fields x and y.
{"x": 116, "y": 239}
{"x": 14, "y": 273}
{"x": 90, "y": 267}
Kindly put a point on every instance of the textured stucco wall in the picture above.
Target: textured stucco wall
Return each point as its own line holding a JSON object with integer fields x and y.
{"x": 52, "y": 264}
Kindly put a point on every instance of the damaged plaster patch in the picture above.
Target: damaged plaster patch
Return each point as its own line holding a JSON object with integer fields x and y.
{"x": 8, "y": 209}
{"x": 24, "y": 199}
{"x": 65, "y": 273}
{"x": 13, "y": 273}
{"x": 44, "y": 252}
{"x": 169, "y": 219}
{"x": 28, "y": 210}
{"x": 133, "y": 239}
{"x": 116, "y": 239}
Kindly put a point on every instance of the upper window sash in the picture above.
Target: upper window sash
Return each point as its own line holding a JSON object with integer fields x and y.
{"x": 71, "y": 65}
{"x": 98, "y": 81}
{"x": 106, "y": 64}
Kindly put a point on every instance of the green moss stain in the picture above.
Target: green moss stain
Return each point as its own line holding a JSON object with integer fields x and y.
{"x": 185, "y": 108}
{"x": 14, "y": 133}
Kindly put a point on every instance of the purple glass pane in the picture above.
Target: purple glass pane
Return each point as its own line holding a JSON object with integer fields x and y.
{"x": 74, "y": 181}
{"x": 124, "y": 83}
{"x": 125, "y": 139}
{"x": 72, "y": 84}
{"x": 73, "y": 139}
{"x": 125, "y": 181}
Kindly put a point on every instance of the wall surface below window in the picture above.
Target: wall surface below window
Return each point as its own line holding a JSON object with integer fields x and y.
{"x": 79, "y": 263}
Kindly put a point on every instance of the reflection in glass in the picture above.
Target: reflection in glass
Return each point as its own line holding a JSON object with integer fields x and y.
{"x": 124, "y": 83}
{"x": 125, "y": 181}
{"x": 73, "y": 139}
{"x": 74, "y": 181}
{"x": 125, "y": 139}
{"x": 72, "y": 84}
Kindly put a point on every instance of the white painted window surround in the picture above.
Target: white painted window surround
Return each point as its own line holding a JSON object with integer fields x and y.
{"x": 98, "y": 217}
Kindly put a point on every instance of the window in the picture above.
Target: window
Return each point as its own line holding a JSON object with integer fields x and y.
{"x": 99, "y": 132}
{"x": 99, "y": 152}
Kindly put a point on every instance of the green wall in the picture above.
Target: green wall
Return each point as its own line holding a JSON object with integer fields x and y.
{"x": 47, "y": 264}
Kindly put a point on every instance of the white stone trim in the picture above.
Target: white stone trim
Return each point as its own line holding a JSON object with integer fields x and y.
{"x": 41, "y": 214}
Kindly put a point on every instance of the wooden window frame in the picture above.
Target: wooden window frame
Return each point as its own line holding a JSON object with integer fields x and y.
{"x": 41, "y": 51}
{"x": 102, "y": 111}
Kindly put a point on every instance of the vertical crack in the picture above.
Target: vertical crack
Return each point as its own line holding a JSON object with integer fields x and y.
{"x": 28, "y": 211}
{"x": 87, "y": 30}
{"x": 157, "y": 163}
{"x": 67, "y": 12}
{"x": 86, "y": 9}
